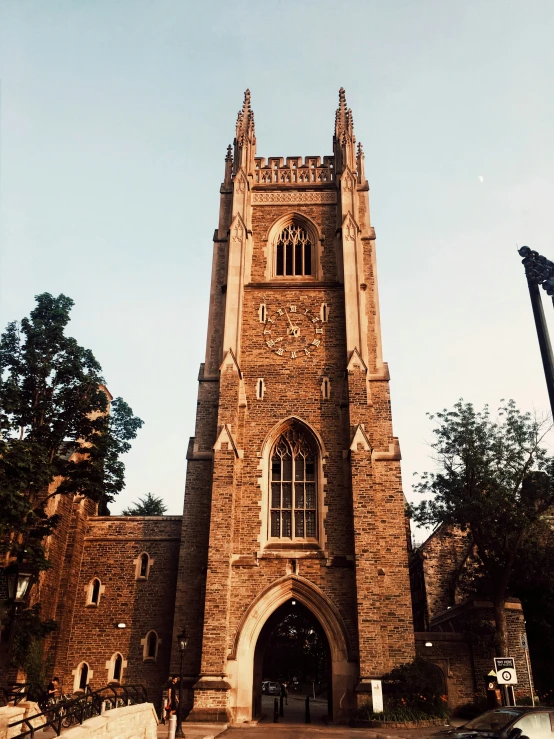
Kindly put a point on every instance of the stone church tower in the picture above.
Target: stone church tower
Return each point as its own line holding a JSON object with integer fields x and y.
{"x": 293, "y": 488}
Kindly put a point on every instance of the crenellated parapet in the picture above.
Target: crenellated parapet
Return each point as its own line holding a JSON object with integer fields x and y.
{"x": 310, "y": 171}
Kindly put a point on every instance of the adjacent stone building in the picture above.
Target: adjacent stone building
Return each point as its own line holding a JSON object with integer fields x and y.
{"x": 293, "y": 489}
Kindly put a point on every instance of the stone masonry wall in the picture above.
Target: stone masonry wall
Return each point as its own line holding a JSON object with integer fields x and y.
{"x": 111, "y": 548}
{"x": 452, "y": 654}
{"x": 128, "y": 722}
{"x": 443, "y": 554}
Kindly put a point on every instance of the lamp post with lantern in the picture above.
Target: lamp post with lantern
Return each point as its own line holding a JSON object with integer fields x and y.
{"x": 182, "y": 641}
{"x": 540, "y": 271}
{"x": 20, "y": 577}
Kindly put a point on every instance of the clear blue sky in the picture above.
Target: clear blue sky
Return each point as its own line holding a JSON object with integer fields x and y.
{"x": 115, "y": 116}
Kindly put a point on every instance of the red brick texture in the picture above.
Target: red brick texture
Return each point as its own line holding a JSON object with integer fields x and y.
{"x": 109, "y": 550}
{"x": 359, "y": 559}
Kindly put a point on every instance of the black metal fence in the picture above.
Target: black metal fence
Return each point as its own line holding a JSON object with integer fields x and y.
{"x": 65, "y": 713}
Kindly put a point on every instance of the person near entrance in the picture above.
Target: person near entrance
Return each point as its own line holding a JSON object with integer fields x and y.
{"x": 285, "y": 692}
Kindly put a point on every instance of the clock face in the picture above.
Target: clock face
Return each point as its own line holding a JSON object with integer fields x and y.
{"x": 293, "y": 331}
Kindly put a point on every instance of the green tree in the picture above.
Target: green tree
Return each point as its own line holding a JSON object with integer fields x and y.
{"x": 58, "y": 435}
{"x": 296, "y": 648}
{"x": 148, "y": 506}
{"x": 533, "y": 584}
{"x": 494, "y": 482}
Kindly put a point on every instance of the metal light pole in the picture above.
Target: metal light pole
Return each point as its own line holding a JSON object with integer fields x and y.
{"x": 20, "y": 577}
{"x": 540, "y": 271}
{"x": 182, "y": 640}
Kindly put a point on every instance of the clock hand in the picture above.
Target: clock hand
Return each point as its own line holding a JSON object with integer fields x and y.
{"x": 293, "y": 329}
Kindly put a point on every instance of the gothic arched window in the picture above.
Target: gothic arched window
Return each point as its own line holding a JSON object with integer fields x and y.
{"x": 94, "y": 592}
{"x": 293, "y": 252}
{"x": 293, "y": 488}
{"x": 142, "y": 566}
{"x": 115, "y": 668}
{"x": 151, "y": 646}
{"x": 82, "y": 676}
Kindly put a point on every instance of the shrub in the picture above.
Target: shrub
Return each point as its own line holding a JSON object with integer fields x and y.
{"x": 400, "y": 714}
{"x": 412, "y": 692}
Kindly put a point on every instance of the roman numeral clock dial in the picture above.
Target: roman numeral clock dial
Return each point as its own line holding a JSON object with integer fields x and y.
{"x": 292, "y": 331}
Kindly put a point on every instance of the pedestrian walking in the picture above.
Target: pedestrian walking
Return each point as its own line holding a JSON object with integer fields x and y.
{"x": 173, "y": 695}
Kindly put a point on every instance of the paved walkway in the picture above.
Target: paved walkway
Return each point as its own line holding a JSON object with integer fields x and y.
{"x": 302, "y": 731}
{"x": 194, "y": 730}
{"x": 294, "y": 710}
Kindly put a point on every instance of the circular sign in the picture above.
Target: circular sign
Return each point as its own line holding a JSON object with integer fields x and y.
{"x": 506, "y": 675}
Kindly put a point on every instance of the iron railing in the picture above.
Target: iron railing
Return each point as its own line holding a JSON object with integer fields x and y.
{"x": 66, "y": 713}
{"x": 18, "y": 692}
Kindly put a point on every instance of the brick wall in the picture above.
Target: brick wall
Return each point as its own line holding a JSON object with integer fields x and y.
{"x": 110, "y": 549}
{"x": 453, "y": 655}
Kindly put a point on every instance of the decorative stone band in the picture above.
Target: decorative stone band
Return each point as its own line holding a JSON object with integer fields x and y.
{"x": 294, "y": 197}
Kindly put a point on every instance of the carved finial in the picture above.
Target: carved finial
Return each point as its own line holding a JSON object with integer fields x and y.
{"x": 229, "y": 157}
{"x": 350, "y": 120}
{"x": 344, "y": 122}
{"x": 340, "y": 116}
{"x": 245, "y": 121}
{"x": 360, "y": 163}
{"x": 343, "y": 141}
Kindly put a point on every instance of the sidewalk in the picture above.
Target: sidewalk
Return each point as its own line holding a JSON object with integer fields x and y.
{"x": 193, "y": 730}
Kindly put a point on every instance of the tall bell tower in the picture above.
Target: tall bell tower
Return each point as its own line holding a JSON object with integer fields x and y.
{"x": 293, "y": 487}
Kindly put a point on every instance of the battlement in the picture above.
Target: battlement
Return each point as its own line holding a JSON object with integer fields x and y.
{"x": 294, "y": 171}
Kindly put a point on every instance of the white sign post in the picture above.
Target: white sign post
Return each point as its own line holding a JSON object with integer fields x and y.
{"x": 377, "y": 696}
{"x": 505, "y": 670}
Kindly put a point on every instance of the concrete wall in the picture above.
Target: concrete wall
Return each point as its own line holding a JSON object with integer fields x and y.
{"x": 11, "y": 714}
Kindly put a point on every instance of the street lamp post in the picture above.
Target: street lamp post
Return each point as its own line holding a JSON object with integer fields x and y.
{"x": 20, "y": 577}
{"x": 540, "y": 271}
{"x": 182, "y": 641}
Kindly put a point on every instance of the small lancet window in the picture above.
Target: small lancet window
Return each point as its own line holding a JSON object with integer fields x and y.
{"x": 82, "y": 676}
{"x": 117, "y": 668}
{"x": 150, "y": 646}
{"x": 293, "y": 252}
{"x": 293, "y": 495}
{"x": 95, "y": 592}
{"x": 324, "y": 313}
{"x": 260, "y": 388}
{"x": 262, "y": 312}
{"x": 325, "y": 388}
{"x": 143, "y": 564}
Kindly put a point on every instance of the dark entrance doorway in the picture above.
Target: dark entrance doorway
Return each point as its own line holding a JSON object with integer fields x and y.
{"x": 293, "y": 648}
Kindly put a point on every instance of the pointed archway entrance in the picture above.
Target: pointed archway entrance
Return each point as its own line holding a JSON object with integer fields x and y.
{"x": 254, "y": 633}
{"x": 292, "y": 649}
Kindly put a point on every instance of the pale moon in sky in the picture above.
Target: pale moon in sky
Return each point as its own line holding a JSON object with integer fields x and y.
{"x": 480, "y": 178}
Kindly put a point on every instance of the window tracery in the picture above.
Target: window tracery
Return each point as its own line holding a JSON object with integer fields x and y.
{"x": 293, "y": 488}
{"x": 293, "y": 252}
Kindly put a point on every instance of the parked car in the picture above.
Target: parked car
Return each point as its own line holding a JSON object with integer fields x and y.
{"x": 510, "y": 722}
{"x": 269, "y": 687}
